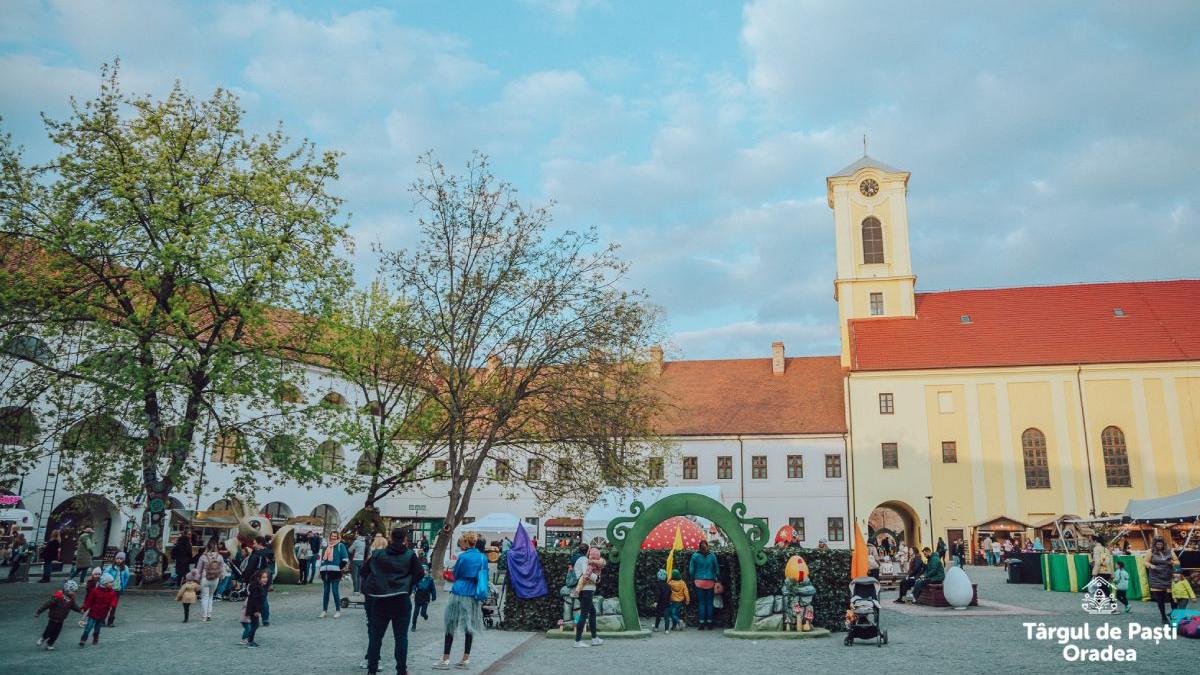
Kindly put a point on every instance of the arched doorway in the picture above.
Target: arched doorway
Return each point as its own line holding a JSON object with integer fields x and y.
{"x": 896, "y": 521}
{"x": 277, "y": 513}
{"x": 627, "y": 533}
{"x": 330, "y": 519}
{"x": 78, "y": 512}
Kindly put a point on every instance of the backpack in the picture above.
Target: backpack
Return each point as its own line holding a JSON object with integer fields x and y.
{"x": 214, "y": 567}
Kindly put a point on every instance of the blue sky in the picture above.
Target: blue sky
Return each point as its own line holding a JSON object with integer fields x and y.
{"x": 1048, "y": 142}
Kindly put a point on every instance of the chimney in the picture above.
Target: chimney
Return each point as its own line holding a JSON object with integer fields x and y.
{"x": 656, "y": 360}
{"x": 777, "y": 363}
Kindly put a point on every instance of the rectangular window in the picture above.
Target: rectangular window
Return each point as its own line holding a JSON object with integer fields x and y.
{"x": 795, "y": 466}
{"x": 797, "y": 525}
{"x": 758, "y": 466}
{"x": 503, "y": 469}
{"x": 945, "y": 402}
{"x": 725, "y": 468}
{"x": 886, "y": 404}
{"x": 949, "y": 452}
{"x": 891, "y": 456}
{"x": 534, "y": 470}
{"x": 563, "y": 470}
{"x": 877, "y": 304}
{"x": 833, "y": 466}
{"x": 837, "y": 529}
{"x": 691, "y": 469}
{"x": 441, "y": 468}
{"x": 655, "y": 468}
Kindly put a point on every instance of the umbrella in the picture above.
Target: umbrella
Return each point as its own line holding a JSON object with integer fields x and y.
{"x": 663, "y": 536}
{"x": 858, "y": 561}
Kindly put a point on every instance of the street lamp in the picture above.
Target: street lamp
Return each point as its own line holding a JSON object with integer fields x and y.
{"x": 929, "y": 500}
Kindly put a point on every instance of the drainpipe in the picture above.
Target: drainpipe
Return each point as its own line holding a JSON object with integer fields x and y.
{"x": 1087, "y": 452}
{"x": 742, "y": 468}
{"x": 848, "y": 445}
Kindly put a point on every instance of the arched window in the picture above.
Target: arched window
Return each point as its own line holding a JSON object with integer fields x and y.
{"x": 1037, "y": 469}
{"x": 1116, "y": 459}
{"x": 289, "y": 393}
{"x": 28, "y": 347}
{"x": 330, "y": 454}
{"x": 96, "y": 433}
{"x": 872, "y": 241}
{"x": 229, "y": 447}
{"x": 17, "y": 426}
{"x": 281, "y": 449}
{"x": 366, "y": 463}
{"x": 373, "y": 408}
{"x": 334, "y": 399}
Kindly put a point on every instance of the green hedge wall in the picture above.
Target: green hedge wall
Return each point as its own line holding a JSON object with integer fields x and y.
{"x": 830, "y": 570}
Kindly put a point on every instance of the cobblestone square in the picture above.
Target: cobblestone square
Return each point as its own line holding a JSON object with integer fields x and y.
{"x": 151, "y": 638}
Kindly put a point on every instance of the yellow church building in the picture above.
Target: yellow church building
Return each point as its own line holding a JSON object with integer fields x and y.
{"x": 1026, "y": 403}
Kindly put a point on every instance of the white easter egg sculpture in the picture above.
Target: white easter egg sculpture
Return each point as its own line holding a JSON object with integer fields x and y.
{"x": 957, "y": 588}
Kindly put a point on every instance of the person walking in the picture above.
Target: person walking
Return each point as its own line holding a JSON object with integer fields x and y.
{"x": 182, "y": 556}
{"x": 986, "y": 547}
{"x": 99, "y": 604}
{"x": 50, "y": 553}
{"x": 314, "y": 545}
{"x": 389, "y": 577}
{"x": 1101, "y": 559}
{"x": 1121, "y": 581}
{"x": 358, "y": 551}
{"x": 60, "y": 606}
{"x": 679, "y": 599}
{"x": 188, "y": 591}
{"x": 83, "y": 554}
{"x": 463, "y": 611}
{"x": 252, "y": 610}
{"x": 255, "y": 564}
{"x": 303, "y": 555}
{"x": 211, "y": 567}
{"x": 334, "y": 561}
{"x": 1160, "y": 566}
{"x": 424, "y": 593}
{"x": 587, "y": 570}
{"x": 704, "y": 572}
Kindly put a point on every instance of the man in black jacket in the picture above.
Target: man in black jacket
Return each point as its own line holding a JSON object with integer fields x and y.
{"x": 388, "y": 578}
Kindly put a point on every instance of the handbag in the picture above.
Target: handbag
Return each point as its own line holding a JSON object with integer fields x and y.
{"x": 482, "y": 589}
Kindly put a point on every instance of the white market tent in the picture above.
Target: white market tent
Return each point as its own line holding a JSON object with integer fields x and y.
{"x": 495, "y": 527}
{"x": 614, "y": 502}
{"x": 1179, "y": 508}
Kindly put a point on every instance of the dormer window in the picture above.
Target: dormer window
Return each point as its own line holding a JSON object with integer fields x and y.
{"x": 964, "y": 319}
{"x": 1118, "y": 312}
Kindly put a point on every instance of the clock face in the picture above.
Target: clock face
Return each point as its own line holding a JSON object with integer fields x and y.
{"x": 869, "y": 187}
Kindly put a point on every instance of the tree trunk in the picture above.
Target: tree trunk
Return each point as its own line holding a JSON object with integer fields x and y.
{"x": 153, "y": 532}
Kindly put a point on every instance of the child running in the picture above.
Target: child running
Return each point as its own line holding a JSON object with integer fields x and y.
{"x": 679, "y": 598}
{"x": 425, "y": 592}
{"x": 61, "y": 604}
{"x": 188, "y": 591}
{"x": 101, "y": 601}
{"x": 662, "y": 605}
{"x": 1181, "y": 590}
{"x": 252, "y": 608}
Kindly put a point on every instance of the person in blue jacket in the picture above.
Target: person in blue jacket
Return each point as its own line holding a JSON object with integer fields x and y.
{"x": 334, "y": 560}
{"x": 704, "y": 572}
{"x": 464, "y": 612}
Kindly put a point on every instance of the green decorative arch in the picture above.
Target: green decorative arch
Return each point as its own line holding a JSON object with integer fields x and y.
{"x": 627, "y": 533}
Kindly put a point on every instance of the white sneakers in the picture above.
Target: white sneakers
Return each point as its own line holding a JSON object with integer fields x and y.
{"x": 322, "y": 616}
{"x": 596, "y": 642}
{"x": 336, "y": 614}
{"x": 581, "y": 643}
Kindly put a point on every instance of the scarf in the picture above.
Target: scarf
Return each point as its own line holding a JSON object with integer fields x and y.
{"x": 328, "y": 555}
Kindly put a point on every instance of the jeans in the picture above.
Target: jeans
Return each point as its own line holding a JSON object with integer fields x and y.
{"x": 331, "y": 583}
{"x": 587, "y": 613}
{"x": 82, "y": 573}
{"x": 266, "y": 610}
{"x": 673, "y": 620}
{"x": 208, "y": 588}
{"x": 223, "y": 585}
{"x": 704, "y": 604}
{"x": 312, "y": 569}
{"x": 420, "y": 609}
{"x": 47, "y": 568}
{"x": 355, "y": 566}
{"x": 249, "y": 629}
{"x": 92, "y": 625}
{"x": 393, "y": 610}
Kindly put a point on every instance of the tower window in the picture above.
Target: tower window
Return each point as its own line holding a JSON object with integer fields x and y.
{"x": 877, "y": 304}
{"x": 872, "y": 239}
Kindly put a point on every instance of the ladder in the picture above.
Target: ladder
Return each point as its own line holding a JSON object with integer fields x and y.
{"x": 49, "y": 492}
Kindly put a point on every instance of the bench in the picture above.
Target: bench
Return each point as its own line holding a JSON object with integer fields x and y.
{"x": 931, "y": 595}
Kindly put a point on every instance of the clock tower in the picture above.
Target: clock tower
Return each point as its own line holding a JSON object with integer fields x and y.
{"x": 874, "y": 270}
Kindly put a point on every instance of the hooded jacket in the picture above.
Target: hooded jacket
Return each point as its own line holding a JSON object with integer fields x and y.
{"x": 60, "y": 605}
{"x": 394, "y": 570}
{"x": 99, "y": 602}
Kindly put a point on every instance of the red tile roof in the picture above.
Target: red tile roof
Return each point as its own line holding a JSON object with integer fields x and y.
{"x": 743, "y": 396}
{"x": 1036, "y": 325}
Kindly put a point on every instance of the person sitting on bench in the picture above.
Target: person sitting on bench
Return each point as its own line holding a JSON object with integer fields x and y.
{"x": 915, "y": 569}
{"x": 935, "y": 573}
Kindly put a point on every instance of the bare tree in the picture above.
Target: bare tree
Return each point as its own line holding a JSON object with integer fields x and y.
{"x": 537, "y": 372}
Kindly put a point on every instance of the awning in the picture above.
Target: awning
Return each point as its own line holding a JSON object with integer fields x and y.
{"x": 1179, "y": 508}
{"x": 1002, "y": 524}
{"x": 565, "y": 523}
{"x": 1049, "y": 522}
{"x": 214, "y": 519}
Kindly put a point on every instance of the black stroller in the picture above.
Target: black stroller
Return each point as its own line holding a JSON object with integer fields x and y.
{"x": 862, "y": 619}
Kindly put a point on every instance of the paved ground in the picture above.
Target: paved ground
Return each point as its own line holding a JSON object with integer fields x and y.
{"x": 151, "y": 639}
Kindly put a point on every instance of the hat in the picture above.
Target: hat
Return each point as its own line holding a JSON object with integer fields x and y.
{"x": 822, "y": 540}
{"x": 71, "y": 586}
{"x": 676, "y": 575}
{"x": 662, "y": 575}
{"x": 106, "y": 580}
{"x": 96, "y": 571}
{"x": 120, "y": 555}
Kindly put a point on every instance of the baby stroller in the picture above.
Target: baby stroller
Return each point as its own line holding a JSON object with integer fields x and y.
{"x": 862, "y": 619}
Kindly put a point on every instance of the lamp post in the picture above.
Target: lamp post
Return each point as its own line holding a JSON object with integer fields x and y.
{"x": 929, "y": 500}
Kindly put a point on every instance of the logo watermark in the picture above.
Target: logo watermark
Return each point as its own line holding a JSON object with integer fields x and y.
{"x": 1070, "y": 636}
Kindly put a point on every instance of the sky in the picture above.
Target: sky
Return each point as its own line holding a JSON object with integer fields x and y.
{"x": 1049, "y": 142}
